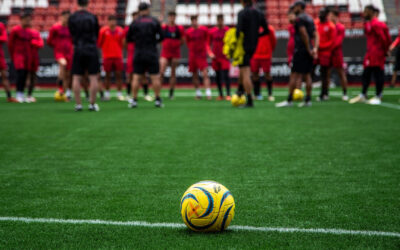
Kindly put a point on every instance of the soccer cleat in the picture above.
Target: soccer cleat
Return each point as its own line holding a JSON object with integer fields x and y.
{"x": 30, "y": 99}
{"x": 105, "y": 98}
{"x": 78, "y": 108}
{"x": 220, "y": 98}
{"x": 375, "y": 101}
{"x": 12, "y": 99}
{"x": 132, "y": 104}
{"x": 305, "y": 104}
{"x": 259, "y": 98}
{"x": 284, "y": 104}
{"x": 121, "y": 98}
{"x": 228, "y": 98}
{"x": 94, "y": 107}
{"x": 159, "y": 104}
{"x": 20, "y": 99}
{"x": 345, "y": 98}
{"x": 357, "y": 99}
{"x": 323, "y": 98}
{"x": 148, "y": 98}
{"x": 271, "y": 98}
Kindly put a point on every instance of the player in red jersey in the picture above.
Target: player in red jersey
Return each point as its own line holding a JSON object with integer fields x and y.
{"x": 3, "y": 64}
{"x": 171, "y": 49}
{"x": 262, "y": 60}
{"x": 378, "y": 43}
{"x": 61, "y": 41}
{"x": 292, "y": 31}
{"x": 19, "y": 46}
{"x": 337, "y": 52}
{"x": 110, "y": 42}
{"x": 36, "y": 44}
{"x": 327, "y": 36}
{"x": 396, "y": 67}
{"x": 220, "y": 63}
{"x": 197, "y": 39}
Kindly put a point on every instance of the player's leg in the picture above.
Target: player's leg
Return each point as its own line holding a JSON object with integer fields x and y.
{"x": 62, "y": 65}
{"x": 6, "y": 85}
{"x": 343, "y": 82}
{"x": 379, "y": 76}
{"x": 307, "y": 101}
{"x": 106, "y": 86}
{"x": 394, "y": 79}
{"x": 31, "y": 86}
{"x": 93, "y": 88}
{"x": 163, "y": 68}
{"x": 293, "y": 82}
{"x": 256, "y": 81}
{"x": 156, "y": 81}
{"x": 324, "y": 83}
{"x": 85, "y": 85}
{"x": 119, "y": 81}
{"x": 227, "y": 79}
{"x": 76, "y": 87}
{"x": 366, "y": 81}
{"x": 196, "y": 83}
{"x": 172, "y": 79}
{"x": 207, "y": 83}
{"x": 135, "y": 85}
{"x": 269, "y": 80}
{"x": 247, "y": 84}
{"x": 217, "y": 67}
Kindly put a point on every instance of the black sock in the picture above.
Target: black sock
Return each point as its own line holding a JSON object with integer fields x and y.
{"x": 60, "y": 83}
{"x": 218, "y": 80}
{"x": 158, "y": 98}
{"x": 87, "y": 94}
{"x": 8, "y": 94}
{"x": 240, "y": 90}
{"x": 227, "y": 79}
{"x": 290, "y": 98}
{"x": 32, "y": 85}
{"x": 269, "y": 86}
{"x": 345, "y": 92}
{"x": 171, "y": 92}
{"x": 308, "y": 98}
{"x": 21, "y": 80}
{"x": 249, "y": 100}
{"x": 146, "y": 89}
{"x": 256, "y": 87}
{"x": 128, "y": 88}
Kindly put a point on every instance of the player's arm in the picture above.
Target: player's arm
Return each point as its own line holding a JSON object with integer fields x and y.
{"x": 50, "y": 39}
{"x": 3, "y": 36}
{"x": 182, "y": 31}
{"x": 305, "y": 38}
{"x": 159, "y": 32}
{"x": 239, "y": 25}
{"x": 264, "y": 24}
{"x": 130, "y": 35}
{"x": 340, "y": 36}
{"x": 11, "y": 43}
{"x": 395, "y": 44}
{"x": 37, "y": 41}
{"x": 208, "y": 43}
{"x": 100, "y": 40}
{"x": 272, "y": 38}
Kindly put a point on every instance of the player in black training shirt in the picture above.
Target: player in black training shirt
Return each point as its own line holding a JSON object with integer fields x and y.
{"x": 250, "y": 20}
{"x": 146, "y": 33}
{"x": 84, "y": 29}
{"x": 304, "y": 54}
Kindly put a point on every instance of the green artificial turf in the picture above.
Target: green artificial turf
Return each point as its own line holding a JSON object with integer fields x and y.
{"x": 334, "y": 165}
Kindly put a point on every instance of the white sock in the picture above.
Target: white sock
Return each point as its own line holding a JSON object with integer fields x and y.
{"x": 107, "y": 94}
{"x": 119, "y": 93}
{"x": 68, "y": 92}
{"x": 198, "y": 92}
{"x": 208, "y": 92}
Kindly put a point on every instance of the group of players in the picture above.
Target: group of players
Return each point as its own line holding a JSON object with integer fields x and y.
{"x": 77, "y": 37}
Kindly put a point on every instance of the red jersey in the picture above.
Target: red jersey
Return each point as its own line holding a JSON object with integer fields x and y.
{"x": 217, "y": 41}
{"x": 171, "y": 45}
{"x": 291, "y": 42}
{"x": 266, "y": 44}
{"x": 36, "y": 44}
{"x": 327, "y": 35}
{"x": 198, "y": 42}
{"x": 3, "y": 38}
{"x": 19, "y": 46}
{"x": 397, "y": 41}
{"x": 340, "y": 34}
{"x": 60, "y": 39}
{"x": 111, "y": 42}
{"x": 376, "y": 44}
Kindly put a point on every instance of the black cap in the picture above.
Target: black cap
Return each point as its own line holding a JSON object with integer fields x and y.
{"x": 143, "y": 6}
{"x": 299, "y": 3}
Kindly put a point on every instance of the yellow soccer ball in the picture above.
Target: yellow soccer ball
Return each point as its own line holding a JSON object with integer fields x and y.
{"x": 58, "y": 97}
{"x": 207, "y": 206}
{"x": 298, "y": 95}
{"x": 242, "y": 100}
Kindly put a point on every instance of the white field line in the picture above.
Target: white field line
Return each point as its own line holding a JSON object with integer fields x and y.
{"x": 177, "y": 225}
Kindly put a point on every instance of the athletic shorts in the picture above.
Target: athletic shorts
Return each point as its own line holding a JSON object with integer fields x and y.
{"x": 302, "y": 62}
{"x": 337, "y": 58}
{"x": 219, "y": 64}
{"x": 257, "y": 64}
{"x": 146, "y": 63}
{"x": 397, "y": 63}
{"x": 196, "y": 64}
{"x": 247, "y": 59}
{"x": 113, "y": 64}
{"x": 85, "y": 60}
{"x": 170, "y": 55}
{"x": 21, "y": 62}
{"x": 3, "y": 64}
{"x": 324, "y": 58}
{"x": 67, "y": 56}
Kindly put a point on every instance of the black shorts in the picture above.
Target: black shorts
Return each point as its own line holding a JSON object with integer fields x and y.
{"x": 397, "y": 63}
{"x": 146, "y": 63}
{"x": 85, "y": 60}
{"x": 248, "y": 54}
{"x": 302, "y": 62}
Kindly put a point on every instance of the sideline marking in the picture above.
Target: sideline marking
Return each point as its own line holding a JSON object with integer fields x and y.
{"x": 177, "y": 225}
